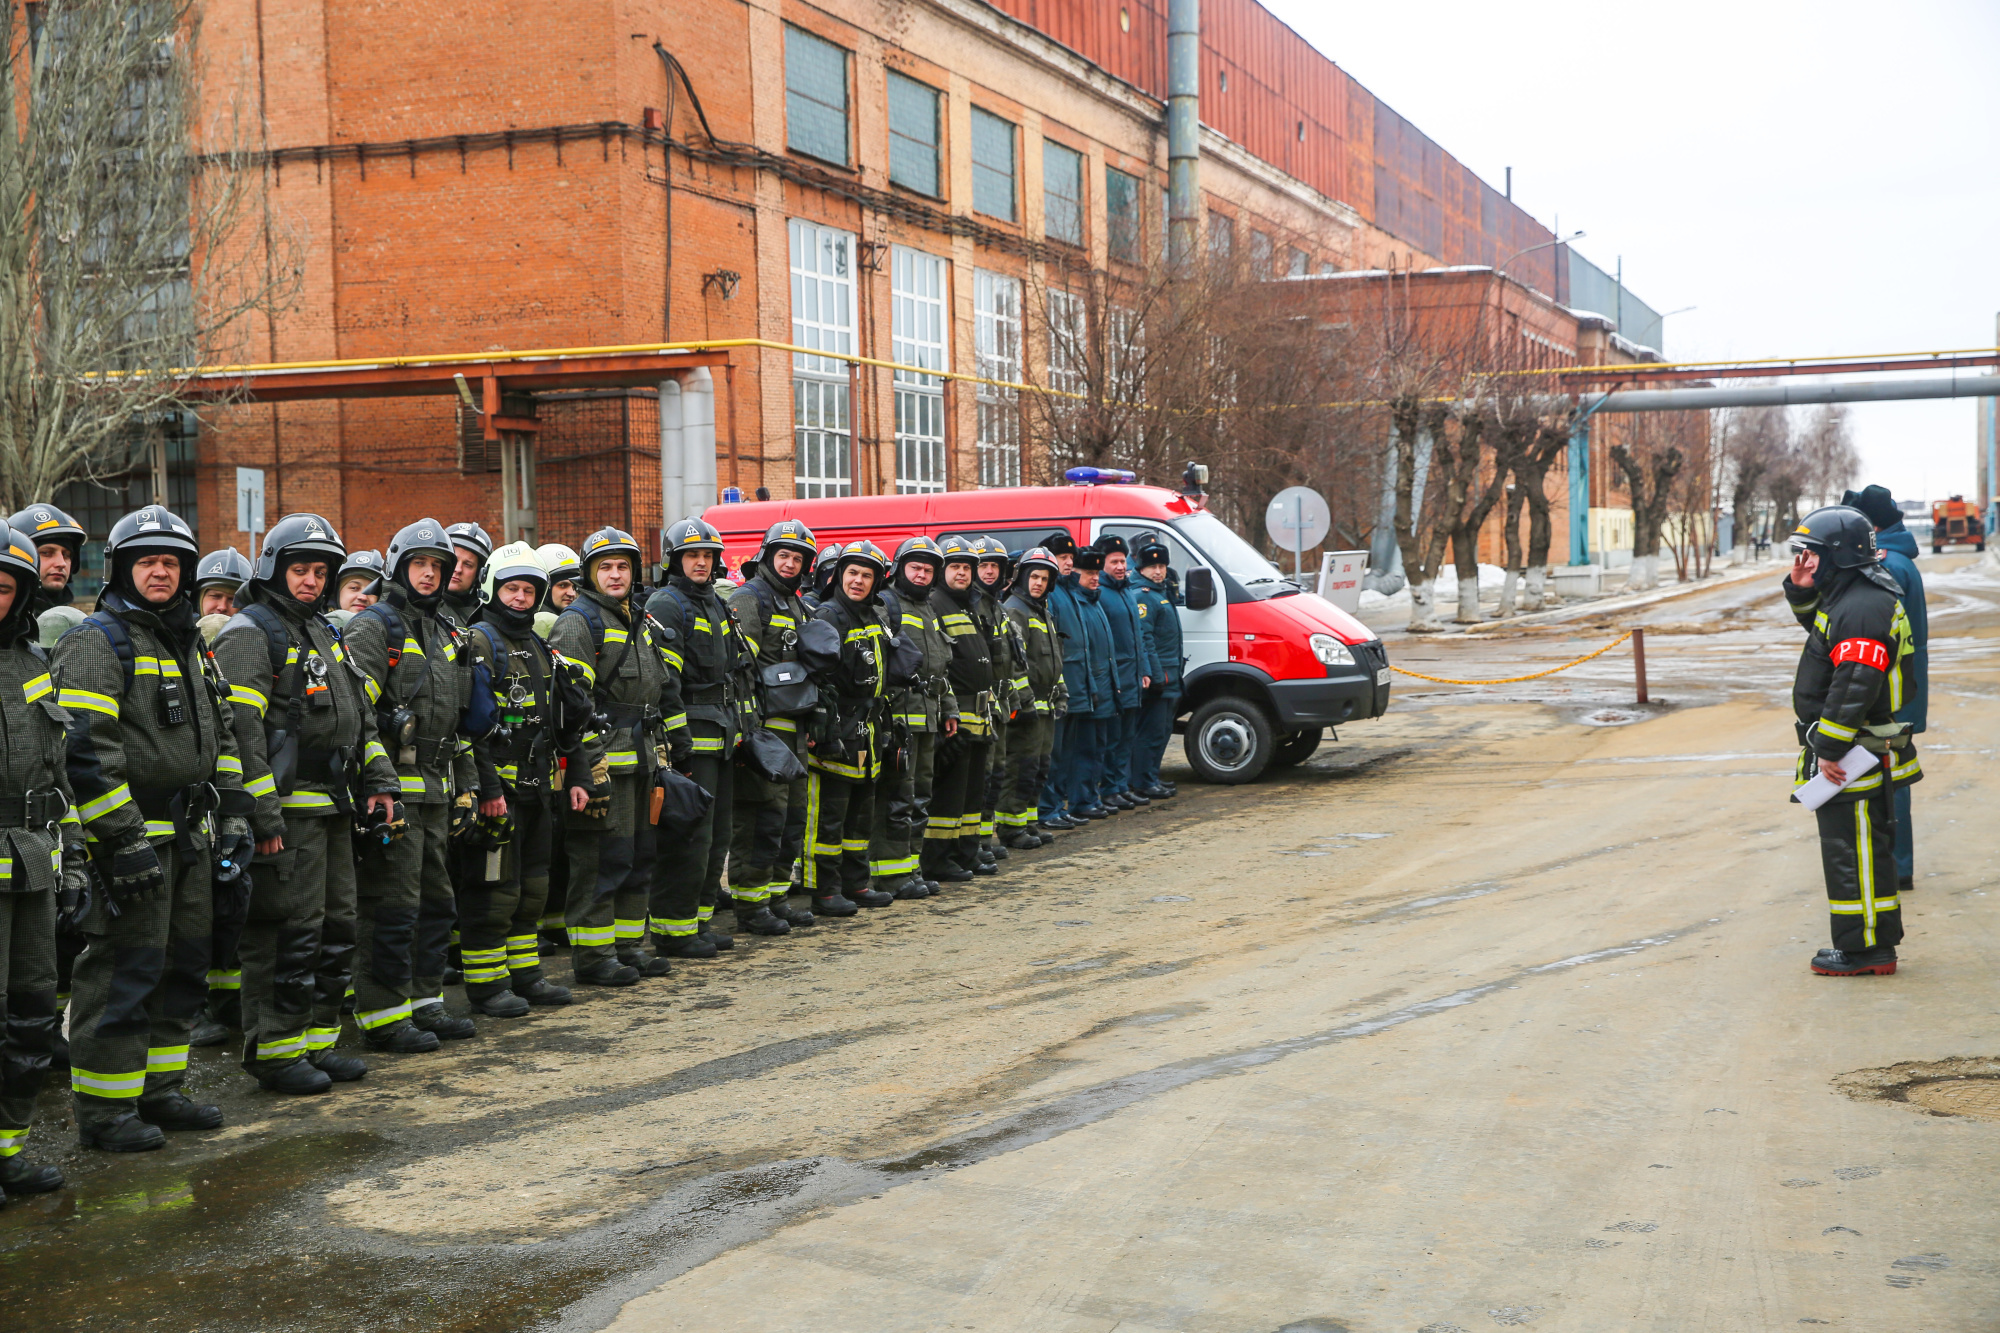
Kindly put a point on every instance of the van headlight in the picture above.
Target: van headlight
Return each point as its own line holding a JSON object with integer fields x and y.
{"x": 1331, "y": 650}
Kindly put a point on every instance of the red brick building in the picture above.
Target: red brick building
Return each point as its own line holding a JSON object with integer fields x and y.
{"x": 883, "y": 178}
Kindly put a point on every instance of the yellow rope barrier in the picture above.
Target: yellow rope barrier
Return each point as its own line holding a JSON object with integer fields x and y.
{"x": 1509, "y": 680}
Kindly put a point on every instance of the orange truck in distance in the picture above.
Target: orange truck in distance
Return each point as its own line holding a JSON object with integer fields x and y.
{"x": 1955, "y": 520}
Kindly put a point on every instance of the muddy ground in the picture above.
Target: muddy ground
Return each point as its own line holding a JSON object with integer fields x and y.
{"x": 1494, "y": 1013}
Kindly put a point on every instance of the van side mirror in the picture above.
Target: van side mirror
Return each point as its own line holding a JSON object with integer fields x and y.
{"x": 1199, "y": 589}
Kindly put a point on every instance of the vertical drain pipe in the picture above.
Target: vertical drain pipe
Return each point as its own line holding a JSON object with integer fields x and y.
{"x": 1183, "y": 128}
{"x": 673, "y": 454}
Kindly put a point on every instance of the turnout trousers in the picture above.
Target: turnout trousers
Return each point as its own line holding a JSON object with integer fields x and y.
{"x": 996, "y": 779}
{"x": 1906, "y": 842}
{"x": 28, "y": 1007}
{"x": 281, "y": 947}
{"x": 1030, "y": 741}
{"x": 498, "y": 916}
{"x": 687, "y": 877}
{"x": 1054, "y": 795}
{"x": 760, "y": 867}
{"x": 951, "y": 833}
{"x": 1857, "y": 849}
{"x": 140, "y": 980}
{"x": 840, "y": 813}
{"x": 902, "y": 811}
{"x": 1149, "y": 742}
{"x": 610, "y": 871}
{"x": 394, "y": 884}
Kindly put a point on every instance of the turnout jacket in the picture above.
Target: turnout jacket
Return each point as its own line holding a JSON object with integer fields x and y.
{"x": 712, "y": 655}
{"x": 309, "y": 702}
{"x": 429, "y": 673}
{"x": 847, "y": 740}
{"x": 1003, "y": 641}
{"x": 1850, "y": 677}
{"x": 129, "y": 766}
{"x": 522, "y": 751}
{"x": 769, "y": 616}
{"x": 1162, "y": 625}
{"x": 1131, "y": 647}
{"x": 635, "y": 681}
{"x": 1042, "y": 651}
{"x": 925, "y": 705}
{"x": 970, "y": 672}
{"x": 33, "y": 739}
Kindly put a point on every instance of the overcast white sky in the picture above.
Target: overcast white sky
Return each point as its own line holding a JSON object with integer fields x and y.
{"x": 1814, "y": 178}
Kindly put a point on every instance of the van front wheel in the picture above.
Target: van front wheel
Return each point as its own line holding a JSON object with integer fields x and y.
{"x": 1229, "y": 740}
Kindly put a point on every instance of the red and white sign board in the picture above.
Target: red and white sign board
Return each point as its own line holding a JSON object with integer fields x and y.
{"x": 1340, "y": 578}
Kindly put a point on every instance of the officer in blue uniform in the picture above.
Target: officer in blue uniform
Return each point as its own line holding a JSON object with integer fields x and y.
{"x": 1157, "y": 599}
{"x": 1133, "y": 671}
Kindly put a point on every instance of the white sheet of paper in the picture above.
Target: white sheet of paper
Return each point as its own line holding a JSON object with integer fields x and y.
{"x": 1820, "y": 790}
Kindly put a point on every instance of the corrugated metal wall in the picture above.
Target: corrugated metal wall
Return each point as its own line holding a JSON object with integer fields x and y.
{"x": 1592, "y": 289}
{"x": 1297, "y": 110}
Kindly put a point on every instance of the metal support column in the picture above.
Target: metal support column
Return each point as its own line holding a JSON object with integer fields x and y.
{"x": 1579, "y": 492}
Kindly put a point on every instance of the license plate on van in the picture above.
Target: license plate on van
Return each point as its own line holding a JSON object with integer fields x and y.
{"x": 1382, "y": 676}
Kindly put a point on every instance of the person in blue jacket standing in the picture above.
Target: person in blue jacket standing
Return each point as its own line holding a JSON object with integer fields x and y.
{"x": 1094, "y": 735}
{"x": 1899, "y": 557}
{"x": 1074, "y": 729}
{"x": 1156, "y": 600}
{"x": 1133, "y": 673}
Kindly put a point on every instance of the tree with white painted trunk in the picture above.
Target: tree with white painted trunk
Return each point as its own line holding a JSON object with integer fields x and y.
{"x": 1651, "y": 460}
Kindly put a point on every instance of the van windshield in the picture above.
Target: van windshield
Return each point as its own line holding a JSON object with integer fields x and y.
{"x": 1234, "y": 556}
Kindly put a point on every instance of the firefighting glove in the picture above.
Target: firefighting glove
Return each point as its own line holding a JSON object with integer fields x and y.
{"x": 73, "y": 894}
{"x": 681, "y": 746}
{"x": 233, "y": 846}
{"x": 600, "y": 791}
{"x": 135, "y": 872}
{"x": 464, "y": 811}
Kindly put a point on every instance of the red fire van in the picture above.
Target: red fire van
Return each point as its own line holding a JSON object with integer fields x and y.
{"x": 1268, "y": 667}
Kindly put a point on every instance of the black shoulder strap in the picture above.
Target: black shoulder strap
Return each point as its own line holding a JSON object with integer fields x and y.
{"x": 121, "y": 642}
{"x": 276, "y": 637}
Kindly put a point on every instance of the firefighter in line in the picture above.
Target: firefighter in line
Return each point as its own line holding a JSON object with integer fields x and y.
{"x": 846, "y": 774}
{"x": 154, "y": 769}
{"x": 470, "y": 549}
{"x": 219, "y": 579}
{"x": 359, "y": 584}
{"x": 565, "y": 576}
{"x": 1075, "y": 725}
{"x": 306, "y": 736}
{"x": 951, "y": 833}
{"x": 417, "y": 676}
{"x": 713, "y": 658}
{"x": 1031, "y": 739}
{"x": 1157, "y": 597}
{"x": 58, "y": 544}
{"x": 632, "y": 665}
{"x": 922, "y": 716}
{"x": 989, "y": 588}
{"x": 501, "y": 912}
{"x": 1848, "y": 686}
{"x": 770, "y": 612}
{"x": 45, "y": 873}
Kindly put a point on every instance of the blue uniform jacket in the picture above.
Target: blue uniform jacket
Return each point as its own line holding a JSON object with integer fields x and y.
{"x": 1131, "y": 649}
{"x": 1900, "y": 559}
{"x": 1097, "y": 631}
{"x": 1066, "y": 610}
{"x": 1163, "y": 632}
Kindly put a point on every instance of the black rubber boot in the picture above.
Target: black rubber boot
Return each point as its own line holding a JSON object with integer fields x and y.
{"x": 59, "y": 1051}
{"x": 837, "y": 904}
{"x": 128, "y": 1133}
{"x": 433, "y": 1019}
{"x": 1864, "y": 963}
{"x": 300, "y": 1077}
{"x": 952, "y": 873}
{"x": 687, "y": 946}
{"x": 721, "y": 941}
{"x": 19, "y": 1177}
{"x": 873, "y": 898}
{"x": 607, "y": 972}
{"x": 452, "y": 976}
{"x": 994, "y": 851}
{"x": 206, "y": 1031}
{"x": 402, "y": 1037}
{"x": 795, "y": 917}
{"x": 340, "y": 1068}
{"x": 1023, "y": 841}
{"x": 546, "y": 992}
{"x": 505, "y": 1004}
{"x": 176, "y": 1110}
{"x": 760, "y": 921}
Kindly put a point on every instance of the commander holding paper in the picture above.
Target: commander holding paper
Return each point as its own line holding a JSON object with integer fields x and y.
{"x": 1854, "y": 753}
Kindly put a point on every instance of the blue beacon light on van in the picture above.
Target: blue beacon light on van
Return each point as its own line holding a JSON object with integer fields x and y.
{"x": 1099, "y": 476}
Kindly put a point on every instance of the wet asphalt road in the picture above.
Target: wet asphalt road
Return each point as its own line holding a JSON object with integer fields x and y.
{"x": 870, "y": 1125}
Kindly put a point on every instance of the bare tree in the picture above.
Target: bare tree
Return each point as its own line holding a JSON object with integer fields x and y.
{"x": 1531, "y": 479}
{"x": 1690, "y": 530}
{"x": 1828, "y": 460}
{"x": 1754, "y": 441}
{"x": 138, "y": 236}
